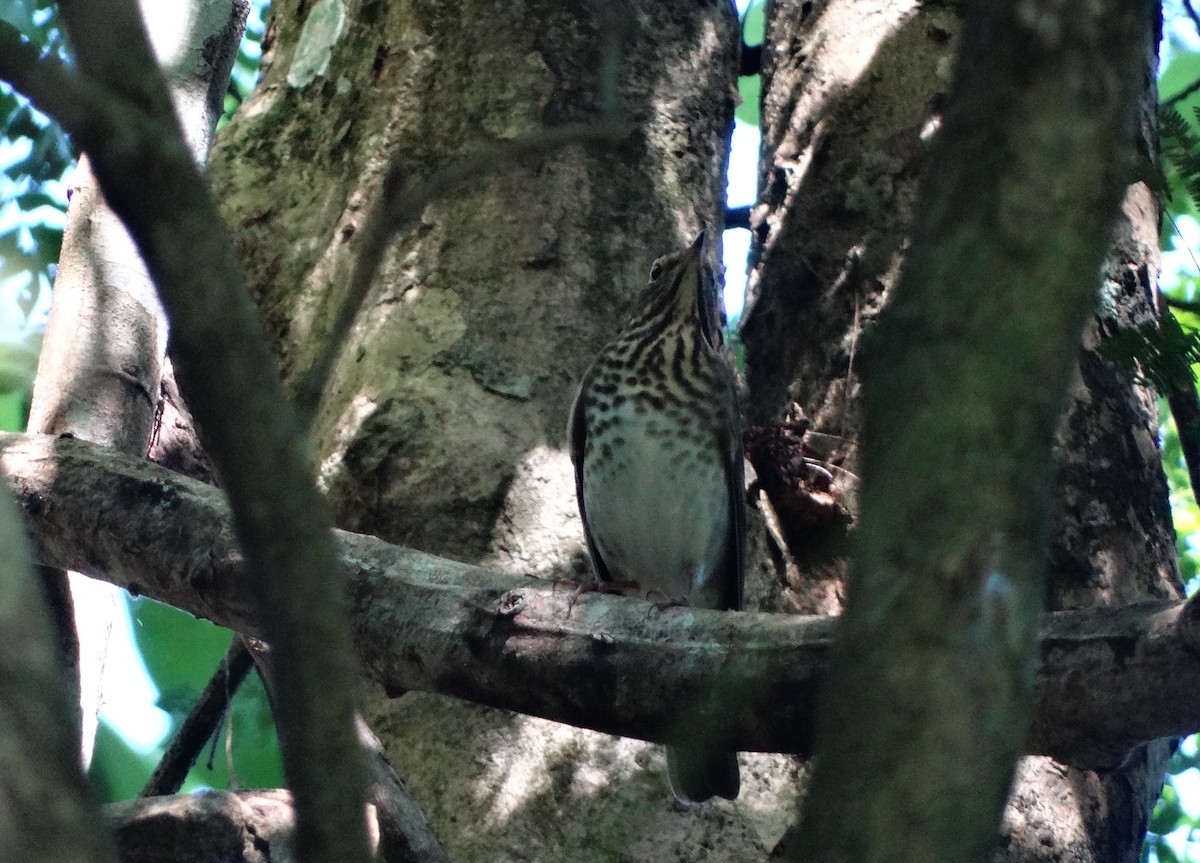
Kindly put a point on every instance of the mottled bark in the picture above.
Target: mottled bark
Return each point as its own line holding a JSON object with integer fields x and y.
{"x": 1113, "y": 544}
{"x": 849, "y": 90}
{"x": 444, "y": 413}
{"x": 249, "y": 826}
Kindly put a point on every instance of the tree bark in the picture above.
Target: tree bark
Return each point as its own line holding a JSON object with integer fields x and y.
{"x": 443, "y": 425}
{"x": 1109, "y": 680}
{"x": 852, "y": 95}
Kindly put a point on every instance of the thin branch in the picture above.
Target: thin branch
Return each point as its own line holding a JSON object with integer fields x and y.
{"x": 405, "y": 835}
{"x": 1109, "y": 679}
{"x": 75, "y": 103}
{"x": 1191, "y": 13}
{"x": 1182, "y": 305}
{"x": 1172, "y": 101}
{"x": 737, "y": 217}
{"x": 198, "y": 728}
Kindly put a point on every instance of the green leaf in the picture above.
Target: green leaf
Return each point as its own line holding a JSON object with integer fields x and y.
{"x": 754, "y": 23}
{"x": 19, "y": 15}
{"x": 1167, "y": 814}
{"x": 1162, "y": 353}
{"x": 181, "y": 653}
{"x": 750, "y": 86}
{"x": 17, "y": 367}
{"x": 1165, "y": 853}
{"x": 14, "y": 410}
{"x": 49, "y": 241}
{"x": 1180, "y": 73}
{"x": 749, "y": 89}
{"x": 117, "y": 771}
{"x": 160, "y": 631}
{"x": 253, "y": 750}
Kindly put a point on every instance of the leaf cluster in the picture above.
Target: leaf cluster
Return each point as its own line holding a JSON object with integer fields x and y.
{"x": 1180, "y": 152}
{"x": 1160, "y": 353}
{"x": 33, "y": 161}
{"x": 244, "y": 76}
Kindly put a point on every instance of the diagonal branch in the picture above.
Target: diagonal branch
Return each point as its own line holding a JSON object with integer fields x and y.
{"x": 117, "y": 109}
{"x": 1108, "y": 679}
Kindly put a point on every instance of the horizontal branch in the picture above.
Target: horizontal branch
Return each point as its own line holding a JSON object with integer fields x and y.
{"x": 1108, "y": 678}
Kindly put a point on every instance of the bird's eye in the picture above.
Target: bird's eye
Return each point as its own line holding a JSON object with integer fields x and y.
{"x": 656, "y": 271}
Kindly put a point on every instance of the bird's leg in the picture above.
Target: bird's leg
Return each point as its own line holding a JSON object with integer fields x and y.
{"x": 596, "y": 585}
{"x": 661, "y": 601}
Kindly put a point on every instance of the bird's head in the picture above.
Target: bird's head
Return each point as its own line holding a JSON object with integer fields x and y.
{"x": 683, "y": 288}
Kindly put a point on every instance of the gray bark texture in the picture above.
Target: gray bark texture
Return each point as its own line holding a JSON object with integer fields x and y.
{"x": 443, "y": 425}
{"x": 852, "y": 95}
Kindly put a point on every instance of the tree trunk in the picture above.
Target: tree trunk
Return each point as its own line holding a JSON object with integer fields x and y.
{"x": 443, "y": 426}
{"x": 851, "y": 96}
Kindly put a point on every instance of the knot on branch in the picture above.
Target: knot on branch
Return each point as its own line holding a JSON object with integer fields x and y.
{"x": 511, "y": 604}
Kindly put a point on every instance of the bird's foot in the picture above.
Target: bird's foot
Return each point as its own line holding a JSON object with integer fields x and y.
{"x": 593, "y": 585}
{"x": 661, "y": 601}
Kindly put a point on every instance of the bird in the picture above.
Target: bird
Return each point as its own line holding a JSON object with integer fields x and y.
{"x": 655, "y": 436}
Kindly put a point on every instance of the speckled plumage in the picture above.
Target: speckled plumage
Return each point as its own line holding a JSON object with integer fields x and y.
{"x": 656, "y": 442}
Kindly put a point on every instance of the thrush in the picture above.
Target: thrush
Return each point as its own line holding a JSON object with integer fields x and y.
{"x": 656, "y": 443}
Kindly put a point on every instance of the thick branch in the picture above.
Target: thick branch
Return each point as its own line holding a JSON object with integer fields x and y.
{"x": 1108, "y": 679}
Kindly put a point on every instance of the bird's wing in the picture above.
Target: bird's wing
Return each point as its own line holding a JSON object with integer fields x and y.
{"x": 577, "y": 434}
{"x": 735, "y": 549}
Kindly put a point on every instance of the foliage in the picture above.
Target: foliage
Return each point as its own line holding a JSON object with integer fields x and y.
{"x": 1160, "y": 353}
{"x": 181, "y": 653}
{"x": 249, "y": 58}
{"x": 1174, "y": 833}
{"x": 34, "y": 158}
{"x": 749, "y": 86}
{"x": 1174, "y": 824}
